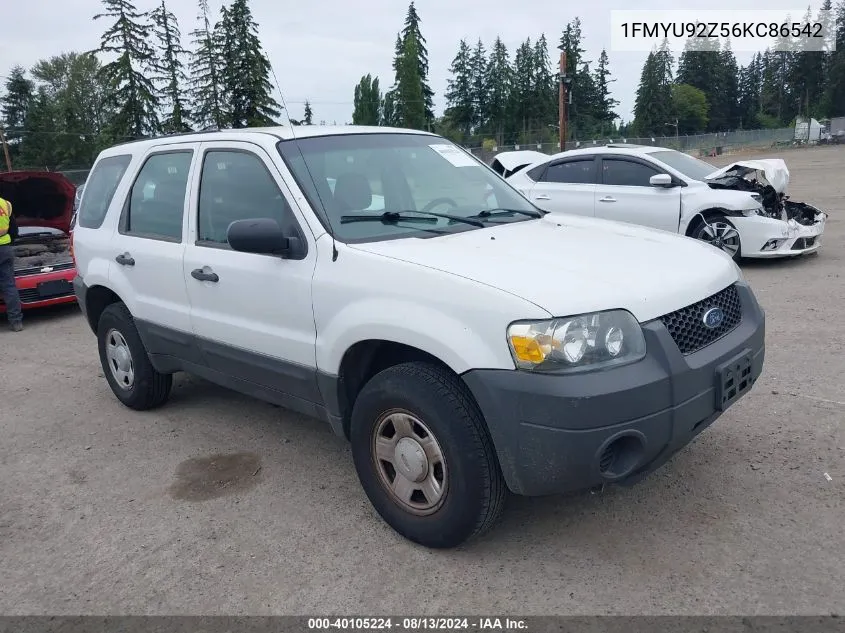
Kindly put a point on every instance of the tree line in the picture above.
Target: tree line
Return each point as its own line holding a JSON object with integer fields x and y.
{"x": 710, "y": 92}
{"x": 65, "y": 109}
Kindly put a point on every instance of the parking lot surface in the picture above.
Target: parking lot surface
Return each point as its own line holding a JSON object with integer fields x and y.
{"x": 107, "y": 511}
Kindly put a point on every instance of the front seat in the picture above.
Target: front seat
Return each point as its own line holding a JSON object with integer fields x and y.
{"x": 352, "y": 192}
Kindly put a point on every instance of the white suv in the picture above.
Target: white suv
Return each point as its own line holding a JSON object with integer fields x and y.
{"x": 388, "y": 283}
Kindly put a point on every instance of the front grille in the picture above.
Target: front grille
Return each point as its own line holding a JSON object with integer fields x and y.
{"x": 803, "y": 243}
{"x": 31, "y": 295}
{"x": 37, "y": 270}
{"x": 686, "y": 326}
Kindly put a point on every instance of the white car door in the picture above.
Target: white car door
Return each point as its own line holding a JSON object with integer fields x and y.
{"x": 567, "y": 185}
{"x": 625, "y": 194}
{"x": 251, "y": 314}
{"x": 148, "y": 244}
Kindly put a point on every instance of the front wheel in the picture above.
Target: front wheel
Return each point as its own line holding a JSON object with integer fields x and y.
{"x": 424, "y": 457}
{"x": 719, "y": 232}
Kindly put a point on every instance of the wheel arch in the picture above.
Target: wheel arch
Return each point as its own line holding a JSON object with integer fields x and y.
{"x": 97, "y": 299}
{"x": 708, "y": 214}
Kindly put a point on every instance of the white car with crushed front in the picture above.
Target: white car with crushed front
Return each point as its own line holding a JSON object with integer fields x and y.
{"x": 741, "y": 209}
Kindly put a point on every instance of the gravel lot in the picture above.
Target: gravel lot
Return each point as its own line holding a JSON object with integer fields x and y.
{"x": 99, "y": 514}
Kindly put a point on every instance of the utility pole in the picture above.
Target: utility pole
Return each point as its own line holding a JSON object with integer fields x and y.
{"x": 5, "y": 150}
{"x": 562, "y": 97}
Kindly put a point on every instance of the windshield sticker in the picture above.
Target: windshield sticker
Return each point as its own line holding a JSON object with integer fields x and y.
{"x": 454, "y": 155}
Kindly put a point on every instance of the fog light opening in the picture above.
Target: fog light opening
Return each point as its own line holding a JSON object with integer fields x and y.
{"x": 621, "y": 456}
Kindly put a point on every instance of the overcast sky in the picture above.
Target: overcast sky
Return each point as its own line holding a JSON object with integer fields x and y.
{"x": 321, "y": 48}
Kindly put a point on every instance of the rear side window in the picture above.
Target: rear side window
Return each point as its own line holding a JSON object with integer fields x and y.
{"x": 236, "y": 185}
{"x": 573, "y": 171}
{"x": 626, "y": 173}
{"x": 99, "y": 190}
{"x": 536, "y": 173}
{"x": 156, "y": 204}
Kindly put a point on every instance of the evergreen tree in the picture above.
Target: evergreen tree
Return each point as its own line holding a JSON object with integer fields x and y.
{"x": 410, "y": 102}
{"x": 605, "y": 102}
{"x": 723, "y": 96}
{"x": 653, "y": 107}
{"x": 246, "y": 70}
{"x": 544, "y": 101}
{"x": 521, "y": 92}
{"x": 478, "y": 71}
{"x": 20, "y": 93}
{"x": 498, "y": 81}
{"x": 308, "y": 115}
{"x": 412, "y": 30}
{"x": 389, "y": 116}
{"x": 131, "y": 91}
{"x": 170, "y": 70}
{"x": 368, "y": 102}
{"x": 39, "y": 151}
{"x": 834, "y": 97}
{"x": 750, "y": 82}
{"x": 460, "y": 109}
{"x": 206, "y": 88}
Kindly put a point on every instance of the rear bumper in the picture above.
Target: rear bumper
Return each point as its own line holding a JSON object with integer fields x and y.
{"x": 32, "y": 297}
{"x": 557, "y": 434}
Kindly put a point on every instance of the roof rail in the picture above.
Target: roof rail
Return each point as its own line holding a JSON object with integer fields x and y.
{"x": 626, "y": 145}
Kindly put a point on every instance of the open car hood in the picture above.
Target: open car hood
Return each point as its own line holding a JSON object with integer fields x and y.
{"x": 39, "y": 198}
{"x": 772, "y": 171}
{"x": 520, "y": 158}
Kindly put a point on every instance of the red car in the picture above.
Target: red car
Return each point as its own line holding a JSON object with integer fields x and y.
{"x": 43, "y": 206}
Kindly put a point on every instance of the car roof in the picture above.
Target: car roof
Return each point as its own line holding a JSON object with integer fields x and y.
{"x": 613, "y": 148}
{"x": 280, "y": 132}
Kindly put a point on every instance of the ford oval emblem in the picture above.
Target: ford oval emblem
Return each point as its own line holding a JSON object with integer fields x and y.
{"x": 713, "y": 318}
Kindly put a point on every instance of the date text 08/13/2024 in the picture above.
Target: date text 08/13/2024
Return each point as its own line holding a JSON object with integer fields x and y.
{"x": 416, "y": 624}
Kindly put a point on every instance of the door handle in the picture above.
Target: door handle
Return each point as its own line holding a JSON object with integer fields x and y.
{"x": 125, "y": 259}
{"x": 203, "y": 275}
{"x": 607, "y": 199}
{"x": 541, "y": 196}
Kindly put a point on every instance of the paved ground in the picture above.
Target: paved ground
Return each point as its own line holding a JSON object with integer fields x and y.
{"x": 98, "y": 513}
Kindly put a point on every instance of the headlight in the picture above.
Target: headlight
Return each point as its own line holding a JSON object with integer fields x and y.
{"x": 577, "y": 343}
{"x": 752, "y": 212}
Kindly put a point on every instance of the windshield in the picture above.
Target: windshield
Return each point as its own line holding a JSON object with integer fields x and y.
{"x": 689, "y": 166}
{"x": 354, "y": 175}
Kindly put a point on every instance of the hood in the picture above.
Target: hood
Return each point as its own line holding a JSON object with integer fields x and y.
{"x": 770, "y": 170}
{"x": 573, "y": 265}
{"x": 39, "y": 198}
{"x": 512, "y": 160}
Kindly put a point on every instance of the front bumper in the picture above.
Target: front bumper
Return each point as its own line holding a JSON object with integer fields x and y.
{"x": 44, "y": 289}
{"x": 557, "y": 434}
{"x": 769, "y": 238}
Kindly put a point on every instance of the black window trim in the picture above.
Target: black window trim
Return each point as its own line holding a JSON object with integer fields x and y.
{"x": 121, "y": 225}
{"x": 99, "y": 225}
{"x": 571, "y": 159}
{"x": 639, "y": 160}
{"x": 304, "y": 249}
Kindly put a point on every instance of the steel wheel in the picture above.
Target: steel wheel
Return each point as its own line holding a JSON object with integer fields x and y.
{"x": 120, "y": 359}
{"x": 721, "y": 235}
{"x": 410, "y": 462}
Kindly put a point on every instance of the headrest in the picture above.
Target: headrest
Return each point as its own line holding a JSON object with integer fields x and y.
{"x": 352, "y": 192}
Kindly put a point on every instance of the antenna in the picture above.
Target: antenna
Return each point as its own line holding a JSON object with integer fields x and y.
{"x": 304, "y": 162}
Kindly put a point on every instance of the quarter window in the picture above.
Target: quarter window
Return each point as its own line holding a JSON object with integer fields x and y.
{"x": 626, "y": 173}
{"x": 100, "y": 189}
{"x": 157, "y": 201}
{"x": 573, "y": 171}
{"x": 236, "y": 185}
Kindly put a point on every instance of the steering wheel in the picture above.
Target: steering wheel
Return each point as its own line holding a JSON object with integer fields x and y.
{"x": 437, "y": 202}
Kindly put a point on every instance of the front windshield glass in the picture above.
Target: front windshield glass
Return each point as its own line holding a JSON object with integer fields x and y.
{"x": 351, "y": 177}
{"x": 691, "y": 167}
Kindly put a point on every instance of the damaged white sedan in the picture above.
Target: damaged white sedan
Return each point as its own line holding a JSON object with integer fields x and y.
{"x": 741, "y": 209}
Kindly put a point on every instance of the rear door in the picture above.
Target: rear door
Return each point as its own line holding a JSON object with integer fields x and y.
{"x": 625, "y": 194}
{"x": 148, "y": 246}
{"x": 567, "y": 185}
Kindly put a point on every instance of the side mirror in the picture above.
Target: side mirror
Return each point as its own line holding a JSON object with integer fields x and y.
{"x": 661, "y": 180}
{"x": 262, "y": 236}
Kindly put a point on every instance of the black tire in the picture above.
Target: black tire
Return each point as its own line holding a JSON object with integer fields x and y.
{"x": 699, "y": 232}
{"x": 475, "y": 493}
{"x": 149, "y": 388}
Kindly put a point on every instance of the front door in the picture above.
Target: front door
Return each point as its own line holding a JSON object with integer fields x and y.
{"x": 625, "y": 194}
{"x": 251, "y": 314}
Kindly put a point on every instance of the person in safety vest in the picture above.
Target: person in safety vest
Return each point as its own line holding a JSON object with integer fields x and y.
{"x": 7, "y": 268}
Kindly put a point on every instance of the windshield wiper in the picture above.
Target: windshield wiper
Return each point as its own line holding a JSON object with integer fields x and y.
{"x": 491, "y": 213}
{"x": 390, "y": 217}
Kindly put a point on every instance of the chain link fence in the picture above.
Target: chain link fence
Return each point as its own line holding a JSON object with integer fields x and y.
{"x": 699, "y": 144}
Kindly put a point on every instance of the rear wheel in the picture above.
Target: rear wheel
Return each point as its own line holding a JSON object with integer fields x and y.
{"x": 125, "y": 362}
{"x": 424, "y": 457}
{"x": 721, "y": 233}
